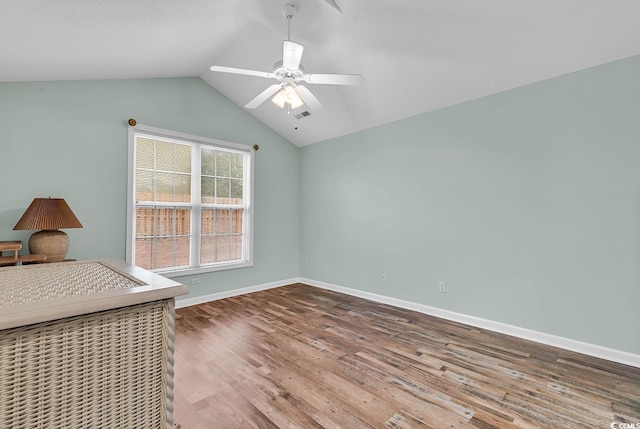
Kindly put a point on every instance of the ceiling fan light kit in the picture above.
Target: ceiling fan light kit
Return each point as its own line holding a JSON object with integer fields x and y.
{"x": 289, "y": 72}
{"x": 287, "y": 95}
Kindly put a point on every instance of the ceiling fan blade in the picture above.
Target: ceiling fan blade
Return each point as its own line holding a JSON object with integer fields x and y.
{"x": 309, "y": 99}
{"x": 263, "y": 96}
{"x": 291, "y": 55}
{"x": 241, "y": 71}
{"x": 334, "y": 79}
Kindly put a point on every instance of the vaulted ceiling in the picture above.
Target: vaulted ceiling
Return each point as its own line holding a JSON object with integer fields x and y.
{"x": 415, "y": 55}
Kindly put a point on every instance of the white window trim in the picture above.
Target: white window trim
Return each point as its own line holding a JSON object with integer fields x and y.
{"x": 131, "y": 203}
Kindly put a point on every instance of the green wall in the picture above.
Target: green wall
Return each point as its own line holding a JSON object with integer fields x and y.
{"x": 526, "y": 203}
{"x": 69, "y": 140}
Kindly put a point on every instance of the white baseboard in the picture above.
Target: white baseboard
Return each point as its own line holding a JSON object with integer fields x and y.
{"x": 187, "y": 302}
{"x": 503, "y": 328}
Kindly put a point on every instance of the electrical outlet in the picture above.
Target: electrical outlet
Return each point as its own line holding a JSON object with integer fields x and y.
{"x": 195, "y": 281}
{"x": 443, "y": 287}
{"x": 383, "y": 277}
{"x": 306, "y": 262}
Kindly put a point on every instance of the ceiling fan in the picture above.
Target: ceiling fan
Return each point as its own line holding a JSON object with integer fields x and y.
{"x": 289, "y": 72}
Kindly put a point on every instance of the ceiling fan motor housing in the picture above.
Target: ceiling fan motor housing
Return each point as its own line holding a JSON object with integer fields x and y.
{"x": 280, "y": 72}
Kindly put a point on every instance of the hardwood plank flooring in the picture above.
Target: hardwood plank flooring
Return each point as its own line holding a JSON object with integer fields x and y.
{"x": 303, "y": 357}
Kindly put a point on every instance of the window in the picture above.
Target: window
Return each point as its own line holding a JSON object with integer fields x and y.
{"x": 190, "y": 203}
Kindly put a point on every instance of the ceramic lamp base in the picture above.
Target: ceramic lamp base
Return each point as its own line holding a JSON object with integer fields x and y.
{"x": 53, "y": 243}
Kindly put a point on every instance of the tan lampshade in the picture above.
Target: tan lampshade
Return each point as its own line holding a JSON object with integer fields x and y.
{"x": 48, "y": 213}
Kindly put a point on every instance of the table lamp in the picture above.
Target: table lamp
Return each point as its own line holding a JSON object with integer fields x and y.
{"x": 48, "y": 215}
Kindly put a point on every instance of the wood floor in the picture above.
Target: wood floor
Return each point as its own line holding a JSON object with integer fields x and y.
{"x": 303, "y": 357}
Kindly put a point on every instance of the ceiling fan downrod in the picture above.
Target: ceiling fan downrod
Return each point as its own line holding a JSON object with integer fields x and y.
{"x": 289, "y": 11}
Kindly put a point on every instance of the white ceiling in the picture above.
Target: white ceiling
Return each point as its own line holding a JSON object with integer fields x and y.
{"x": 415, "y": 55}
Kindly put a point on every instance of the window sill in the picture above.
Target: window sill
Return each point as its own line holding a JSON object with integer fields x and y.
{"x": 202, "y": 269}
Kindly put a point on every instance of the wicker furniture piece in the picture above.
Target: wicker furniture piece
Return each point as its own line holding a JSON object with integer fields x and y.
{"x": 86, "y": 345}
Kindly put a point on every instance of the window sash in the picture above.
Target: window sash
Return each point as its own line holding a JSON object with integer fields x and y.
{"x": 163, "y": 243}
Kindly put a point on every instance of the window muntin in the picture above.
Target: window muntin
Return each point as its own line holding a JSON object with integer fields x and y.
{"x": 191, "y": 207}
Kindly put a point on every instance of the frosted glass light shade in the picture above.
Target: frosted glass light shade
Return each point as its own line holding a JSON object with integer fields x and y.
{"x": 287, "y": 95}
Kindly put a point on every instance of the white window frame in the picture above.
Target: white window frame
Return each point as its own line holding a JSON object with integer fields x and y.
{"x": 248, "y": 184}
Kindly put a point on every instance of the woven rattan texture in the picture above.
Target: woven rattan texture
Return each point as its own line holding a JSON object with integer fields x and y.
{"x": 52, "y": 281}
{"x": 101, "y": 370}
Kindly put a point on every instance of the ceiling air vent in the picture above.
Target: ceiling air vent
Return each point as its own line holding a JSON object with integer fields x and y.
{"x": 302, "y": 114}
